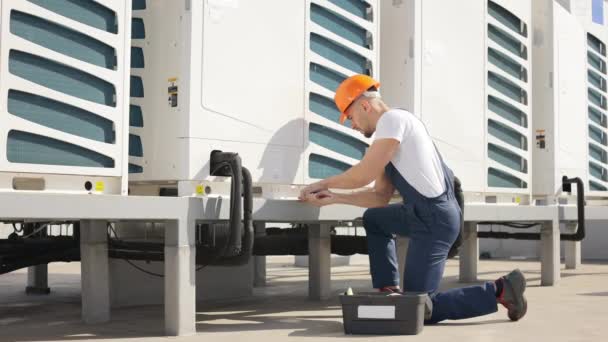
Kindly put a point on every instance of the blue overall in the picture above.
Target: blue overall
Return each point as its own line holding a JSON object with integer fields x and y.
{"x": 432, "y": 224}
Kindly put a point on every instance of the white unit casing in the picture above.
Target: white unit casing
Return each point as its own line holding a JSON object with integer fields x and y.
{"x": 596, "y": 110}
{"x": 251, "y": 77}
{"x": 64, "y": 81}
{"x": 560, "y": 99}
{"x": 464, "y": 68}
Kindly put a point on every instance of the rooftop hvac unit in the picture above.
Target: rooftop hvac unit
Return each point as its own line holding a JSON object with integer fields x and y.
{"x": 464, "y": 68}
{"x": 592, "y": 16}
{"x": 63, "y": 95}
{"x": 252, "y": 77}
{"x": 566, "y": 91}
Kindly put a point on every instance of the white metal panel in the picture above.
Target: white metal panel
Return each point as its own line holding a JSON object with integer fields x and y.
{"x": 252, "y": 72}
{"x": 400, "y": 54}
{"x": 570, "y": 81}
{"x": 453, "y": 79}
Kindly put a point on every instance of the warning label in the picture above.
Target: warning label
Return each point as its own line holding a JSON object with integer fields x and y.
{"x": 540, "y": 139}
{"x": 172, "y": 92}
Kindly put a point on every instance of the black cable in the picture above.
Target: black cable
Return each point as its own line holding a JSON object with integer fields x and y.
{"x": 233, "y": 198}
{"x": 518, "y": 225}
{"x": 141, "y": 269}
{"x": 145, "y": 271}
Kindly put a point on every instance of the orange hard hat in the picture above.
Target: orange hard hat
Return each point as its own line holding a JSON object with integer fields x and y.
{"x": 350, "y": 89}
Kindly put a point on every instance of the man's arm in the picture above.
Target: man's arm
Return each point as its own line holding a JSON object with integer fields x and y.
{"x": 379, "y": 196}
{"x": 369, "y": 168}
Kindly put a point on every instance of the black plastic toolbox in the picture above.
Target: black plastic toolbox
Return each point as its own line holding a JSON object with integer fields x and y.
{"x": 382, "y": 314}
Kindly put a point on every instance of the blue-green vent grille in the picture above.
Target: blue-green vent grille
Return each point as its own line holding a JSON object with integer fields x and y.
{"x": 339, "y": 54}
{"x": 507, "y": 134}
{"x": 137, "y": 58}
{"x": 324, "y": 107}
{"x": 61, "y": 78}
{"x": 136, "y": 118}
{"x": 596, "y": 80}
{"x": 507, "y": 42}
{"x": 596, "y": 63}
{"x": 135, "y": 168}
{"x": 27, "y": 148}
{"x": 596, "y": 45}
{"x": 62, "y": 39}
{"x": 325, "y": 77}
{"x": 507, "y": 111}
{"x": 510, "y": 36}
{"x": 507, "y": 88}
{"x": 597, "y": 98}
{"x": 338, "y": 25}
{"x": 596, "y": 95}
{"x": 138, "y": 30}
{"x": 499, "y": 179}
{"x": 596, "y": 187}
{"x": 507, "y": 158}
{"x": 138, "y": 5}
{"x": 137, "y": 86}
{"x": 336, "y": 50}
{"x": 596, "y": 116}
{"x": 336, "y": 141}
{"x": 598, "y": 154}
{"x": 60, "y": 116}
{"x": 507, "y": 64}
{"x": 87, "y": 12}
{"x": 507, "y": 18}
{"x": 323, "y": 167}
{"x": 135, "y": 147}
{"x": 360, "y": 8}
{"x": 598, "y": 171}
{"x": 597, "y": 135}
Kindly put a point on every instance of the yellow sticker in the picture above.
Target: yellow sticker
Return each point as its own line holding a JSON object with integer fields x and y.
{"x": 518, "y": 200}
{"x": 99, "y": 186}
{"x": 200, "y": 190}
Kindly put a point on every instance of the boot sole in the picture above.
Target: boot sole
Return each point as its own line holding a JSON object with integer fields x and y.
{"x": 521, "y": 303}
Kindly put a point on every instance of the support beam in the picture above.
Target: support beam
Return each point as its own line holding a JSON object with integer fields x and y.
{"x": 94, "y": 272}
{"x": 37, "y": 276}
{"x": 180, "y": 277}
{"x": 469, "y": 253}
{"x": 572, "y": 249}
{"x": 319, "y": 261}
{"x": 550, "y": 259}
{"x": 38, "y": 280}
{"x": 259, "y": 262}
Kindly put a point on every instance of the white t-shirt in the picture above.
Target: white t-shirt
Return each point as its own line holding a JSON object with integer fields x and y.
{"x": 416, "y": 159}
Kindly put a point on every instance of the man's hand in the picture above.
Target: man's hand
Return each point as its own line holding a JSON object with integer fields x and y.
{"x": 311, "y": 189}
{"x": 321, "y": 198}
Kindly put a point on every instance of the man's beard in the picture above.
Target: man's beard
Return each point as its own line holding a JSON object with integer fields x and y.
{"x": 368, "y": 134}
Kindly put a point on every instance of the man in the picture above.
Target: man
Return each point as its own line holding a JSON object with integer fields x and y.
{"x": 403, "y": 157}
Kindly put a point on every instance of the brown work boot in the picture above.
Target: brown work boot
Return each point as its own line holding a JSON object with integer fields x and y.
{"x": 512, "y": 294}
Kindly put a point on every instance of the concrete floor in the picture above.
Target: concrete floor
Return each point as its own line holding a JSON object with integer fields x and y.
{"x": 576, "y": 310}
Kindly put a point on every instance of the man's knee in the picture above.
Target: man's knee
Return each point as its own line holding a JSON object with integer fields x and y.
{"x": 370, "y": 218}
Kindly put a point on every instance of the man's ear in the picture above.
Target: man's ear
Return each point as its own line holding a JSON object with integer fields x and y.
{"x": 366, "y": 106}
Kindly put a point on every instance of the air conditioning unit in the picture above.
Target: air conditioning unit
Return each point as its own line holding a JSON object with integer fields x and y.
{"x": 64, "y": 83}
{"x": 252, "y": 77}
{"x": 464, "y": 67}
{"x": 592, "y": 15}
{"x": 567, "y": 90}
